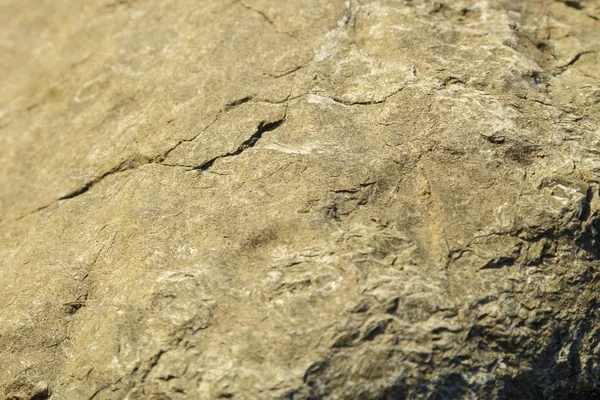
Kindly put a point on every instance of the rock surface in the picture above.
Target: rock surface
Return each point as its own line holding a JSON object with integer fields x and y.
{"x": 300, "y": 199}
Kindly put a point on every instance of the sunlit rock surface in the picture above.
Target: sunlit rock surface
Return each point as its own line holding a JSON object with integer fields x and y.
{"x": 300, "y": 199}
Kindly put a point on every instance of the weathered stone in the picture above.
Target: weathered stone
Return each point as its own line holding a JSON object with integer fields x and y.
{"x": 301, "y": 199}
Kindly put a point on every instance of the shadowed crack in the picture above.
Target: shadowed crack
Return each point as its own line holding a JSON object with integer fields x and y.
{"x": 577, "y": 57}
{"x": 248, "y": 143}
{"x": 124, "y": 166}
{"x": 566, "y": 66}
{"x": 574, "y": 4}
{"x": 134, "y": 163}
{"x": 237, "y": 102}
{"x": 228, "y": 107}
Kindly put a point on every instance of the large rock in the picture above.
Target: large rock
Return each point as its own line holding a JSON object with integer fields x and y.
{"x": 300, "y": 199}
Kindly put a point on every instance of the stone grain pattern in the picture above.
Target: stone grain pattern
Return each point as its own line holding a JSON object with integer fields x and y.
{"x": 300, "y": 199}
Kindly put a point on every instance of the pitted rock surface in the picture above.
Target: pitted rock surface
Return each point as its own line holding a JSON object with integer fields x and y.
{"x": 300, "y": 199}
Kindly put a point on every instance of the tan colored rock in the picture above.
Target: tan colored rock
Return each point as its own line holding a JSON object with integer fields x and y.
{"x": 303, "y": 199}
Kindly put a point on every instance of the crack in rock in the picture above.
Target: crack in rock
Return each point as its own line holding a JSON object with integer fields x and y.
{"x": 134, "y": 163}
{"x": 248, "y": 143}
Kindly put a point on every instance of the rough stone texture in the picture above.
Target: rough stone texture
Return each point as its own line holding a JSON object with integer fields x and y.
{"x": 299, "y": 199}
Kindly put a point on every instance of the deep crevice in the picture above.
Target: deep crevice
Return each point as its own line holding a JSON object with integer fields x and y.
{"x": 153, "y": 362}
{"x": 563, "y": 68}
{"x": 238, "y": 102}
{"x": 576, "y": 58}
{"x": 79, "y": 191}
{"x": 124, "y": 166}
{"x": 574, "y": 4}
{"x": 248, "y": 143}
{"x": 131, "y": 164}
{"x": 499, "y": 262}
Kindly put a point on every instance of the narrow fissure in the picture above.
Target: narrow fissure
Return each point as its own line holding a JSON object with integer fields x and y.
{"x": 250, "y": 142}
{"x": 124, "y": 166}
{"x": 132, "y": 164}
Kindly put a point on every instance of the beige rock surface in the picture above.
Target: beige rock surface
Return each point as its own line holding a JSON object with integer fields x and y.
{"x": 300, "y": 199}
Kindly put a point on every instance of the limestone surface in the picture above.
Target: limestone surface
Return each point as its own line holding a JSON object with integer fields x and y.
{"x": 299, "y": 199}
